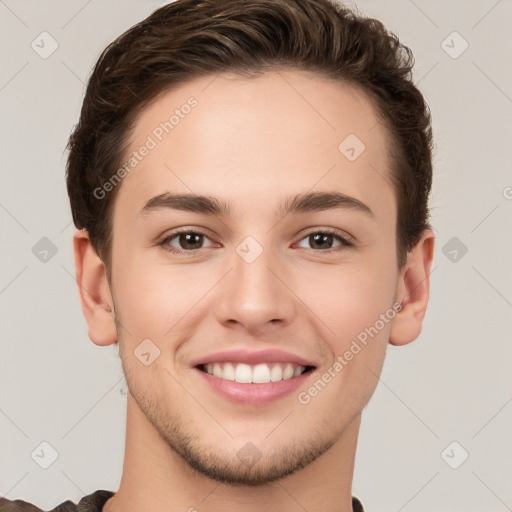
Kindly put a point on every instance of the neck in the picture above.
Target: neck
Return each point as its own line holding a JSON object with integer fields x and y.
{"x": 155, "y": 476}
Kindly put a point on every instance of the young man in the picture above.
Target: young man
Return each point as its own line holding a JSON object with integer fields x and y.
{"x": 250, "y": 181}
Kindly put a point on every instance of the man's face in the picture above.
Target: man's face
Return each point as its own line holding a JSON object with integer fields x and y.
{"x": 256, "y": 279}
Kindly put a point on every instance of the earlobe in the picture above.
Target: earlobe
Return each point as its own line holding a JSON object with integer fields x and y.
{"x": 413, "y": 291}
{"x": 94, "y": 289}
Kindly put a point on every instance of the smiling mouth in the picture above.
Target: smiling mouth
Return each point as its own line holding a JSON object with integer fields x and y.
{"x": 256, "y": 374}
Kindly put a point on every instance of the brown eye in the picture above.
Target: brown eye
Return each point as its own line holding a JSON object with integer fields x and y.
{"x": 324, "y": 240}
{"x": 184, "y": 241}
{"x": 320, "y": 240}
{"x": 190, "y": 241}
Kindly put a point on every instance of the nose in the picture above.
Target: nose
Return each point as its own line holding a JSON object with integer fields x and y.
{"x": 254, "y": 296}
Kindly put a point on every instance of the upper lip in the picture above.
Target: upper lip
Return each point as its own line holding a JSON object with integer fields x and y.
{"x": 253, "y": 357}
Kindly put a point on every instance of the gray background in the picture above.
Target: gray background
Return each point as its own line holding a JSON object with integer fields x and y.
{"x": 452, "y": 384}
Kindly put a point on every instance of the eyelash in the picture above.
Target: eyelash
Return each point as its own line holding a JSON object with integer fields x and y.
{"x": 345, "y": 241}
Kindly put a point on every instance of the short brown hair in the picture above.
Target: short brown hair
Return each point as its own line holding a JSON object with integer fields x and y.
{"x": 190, "y": 39}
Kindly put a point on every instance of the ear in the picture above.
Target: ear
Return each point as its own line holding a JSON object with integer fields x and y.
{"x": 413, "y": 291}
{"x": 95, "y": 294}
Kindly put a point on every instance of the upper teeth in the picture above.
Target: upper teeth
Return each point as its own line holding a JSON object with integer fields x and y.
{"x": 260, "y": 373}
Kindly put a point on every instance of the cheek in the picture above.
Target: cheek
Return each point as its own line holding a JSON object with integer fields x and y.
{"x": 346, "y": 298}
{"x": 357, "y": 339}
{"x": 354, "y": 304}
{"x": 152, "y": 298}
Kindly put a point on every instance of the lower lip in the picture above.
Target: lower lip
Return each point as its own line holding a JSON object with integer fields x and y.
{"x": 251, "y": 393}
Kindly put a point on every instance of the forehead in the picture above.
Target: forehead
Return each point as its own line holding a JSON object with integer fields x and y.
{"x": 260, "y": 138}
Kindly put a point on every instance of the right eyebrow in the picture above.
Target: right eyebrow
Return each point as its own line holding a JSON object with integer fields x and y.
{"x": 187, "y": 202}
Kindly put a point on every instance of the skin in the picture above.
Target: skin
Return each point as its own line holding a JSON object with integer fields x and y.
{"x": 252, "y": 143}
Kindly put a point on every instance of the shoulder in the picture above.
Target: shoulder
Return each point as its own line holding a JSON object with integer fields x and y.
{"x": 91, "y": 503}
{"x": 357, "y": 506}
{"x": 17, "y": 506}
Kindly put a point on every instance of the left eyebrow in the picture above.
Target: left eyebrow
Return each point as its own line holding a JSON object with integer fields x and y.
{"x": 321, "y": 201}
{"x": 301, "y": 203}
